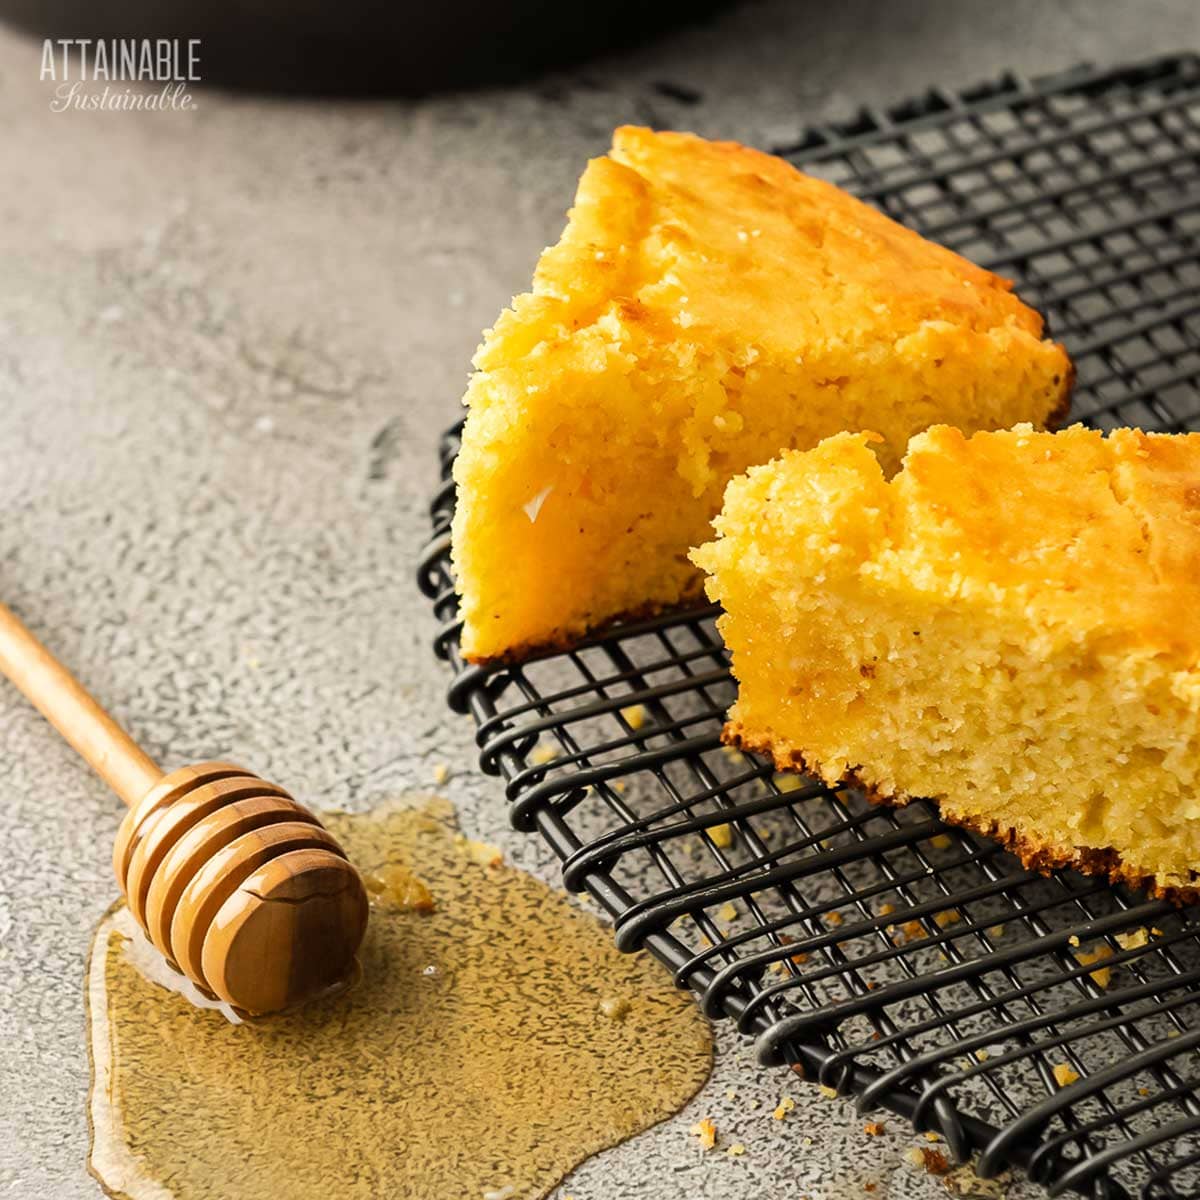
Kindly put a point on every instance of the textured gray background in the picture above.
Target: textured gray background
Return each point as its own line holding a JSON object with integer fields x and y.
{"x": 228, "y": 339}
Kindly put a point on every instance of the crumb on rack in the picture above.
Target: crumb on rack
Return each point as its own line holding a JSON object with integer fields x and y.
{"x": 874, "y": 1128}
{"x": 1102, "y": 975}
{"x": 948, "y": 916}
{"x": 736, "y": 1150}
{"x": 1064, "y": 1076}
{"x": 1134, "y": 940}
{"x": 785, "y": 1106}
{"x": 785, "y": 781}
{"x": 886, "y": 909}
{"x": 441, "y": 773}
{"x": 706, "y": 1131}
{"x": 727, "y": 912}
{"x": 634, "y": 715}
{"x": 995, "y": 931}
{"x": 721, "y": 836}
{"x": 828, "y": 1092}
{"x": 833, "y": 918}
{"x": 941, "y": 841}
{"x": 1074, "y": 939}
{"x": 543, "y": 754}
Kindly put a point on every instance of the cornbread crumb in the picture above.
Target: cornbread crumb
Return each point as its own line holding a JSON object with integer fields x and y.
{"x": 1073, "y": 939}
{"x": 932, "y": 1161}
{"x": 731, "y": 1093}
{"x": 396, "y": 886}
{"x": 949, "y": 916}
{"x": 941, "y": 841}
{"x": 874, "y": 1128}
{"x": 736, "y": 1150}
{"x": 886, "y": 909}
{"x": 441, "y": 773}
{"x": 625, "y": 391}
{"x": 727, "y": 912}
{"x": 484, "y": 854}
{"x": 1063, "y": 1075}
{"x": 1133, "y": 940}
{"x": 706, "y": 1131}
{"x": 635, "y": 716}
{"x": 833, "y": 918}
{"x": 995, "y": 931}
{"x": 828, "y": 1092}
{"x": 930, "y": 1136}
{"x": 1103, "y": 975}
{"x": 722, "y": 836}
{"x": 543, "y": 754}
{"x": 787, "y": 781}
{"x": 616, "y": 1008}
{"x": 785, "y": 1106}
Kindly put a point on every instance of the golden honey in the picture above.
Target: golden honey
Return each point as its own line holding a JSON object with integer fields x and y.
{"x": 495, "y": 1040}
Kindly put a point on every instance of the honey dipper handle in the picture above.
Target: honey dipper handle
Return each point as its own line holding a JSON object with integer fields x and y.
{"x": 60, "y": 698}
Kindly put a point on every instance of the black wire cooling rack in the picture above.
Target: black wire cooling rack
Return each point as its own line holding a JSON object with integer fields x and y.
{"x": 1046, "y": 1023}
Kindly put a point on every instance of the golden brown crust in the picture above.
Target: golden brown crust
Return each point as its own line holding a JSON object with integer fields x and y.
{"x": 1057, "y": 419}
{"x": 1034, "y": 855}
{"x": 570, "y": 641}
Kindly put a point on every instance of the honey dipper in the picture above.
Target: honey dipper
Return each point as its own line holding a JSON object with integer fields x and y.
{"x": 238, "y": 886}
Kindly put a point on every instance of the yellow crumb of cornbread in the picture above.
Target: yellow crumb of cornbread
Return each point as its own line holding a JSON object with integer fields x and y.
{"x": 706, "y": 1131}
{"x": 635, "y": 716}
{"x": 1064, "y": 1075}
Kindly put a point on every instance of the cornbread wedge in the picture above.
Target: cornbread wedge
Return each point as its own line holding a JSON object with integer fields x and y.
{"x": 1010, "y": 626}
{"x": 706, "y": 307}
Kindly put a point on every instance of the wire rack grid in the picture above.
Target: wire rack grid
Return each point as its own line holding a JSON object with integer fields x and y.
{"x": 1049, "y": 1024}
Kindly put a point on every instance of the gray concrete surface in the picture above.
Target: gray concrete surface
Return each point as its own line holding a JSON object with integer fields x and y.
{"x": 228, "y": 339}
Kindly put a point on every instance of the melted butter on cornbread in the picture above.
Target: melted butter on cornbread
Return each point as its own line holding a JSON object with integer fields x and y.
{"x": 496, "y": 1039}
{"x": 1008, "y": 626}
{"x": 706, "y": 307}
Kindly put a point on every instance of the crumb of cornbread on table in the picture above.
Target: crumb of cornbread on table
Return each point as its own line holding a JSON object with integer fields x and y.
{"x": 706, "y": 1131}
{"x": 932, "y": 1161}
{"x": 658, "y": 354}
{"x": 616, "y": 1008}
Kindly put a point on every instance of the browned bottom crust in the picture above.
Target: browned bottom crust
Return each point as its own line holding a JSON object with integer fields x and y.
{"x": 556, "y": 645}
{"x": 1058, "y": 417}
{"x": 1034, "y": 855}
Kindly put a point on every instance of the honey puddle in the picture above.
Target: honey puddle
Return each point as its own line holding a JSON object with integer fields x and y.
{"x": 492, "y": 1044}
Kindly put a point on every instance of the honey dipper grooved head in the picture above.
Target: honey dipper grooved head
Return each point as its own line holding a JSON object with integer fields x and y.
{"x": 240, "y": 887}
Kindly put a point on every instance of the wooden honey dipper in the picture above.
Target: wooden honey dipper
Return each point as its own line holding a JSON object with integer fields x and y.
{"x": 238, "y": 886}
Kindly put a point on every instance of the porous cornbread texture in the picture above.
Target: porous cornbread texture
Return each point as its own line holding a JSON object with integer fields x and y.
{"x": 1010, "y": 625}
{"x": 706, "y": 307}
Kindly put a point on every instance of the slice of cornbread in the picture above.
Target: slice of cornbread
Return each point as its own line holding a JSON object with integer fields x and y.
{"x": 706, "y": 307}
{"x": 1010, "y": 626}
